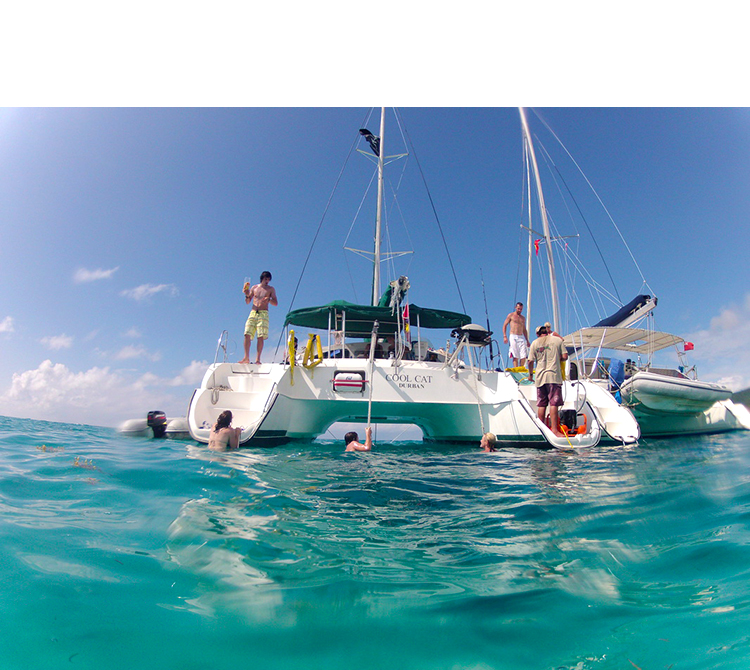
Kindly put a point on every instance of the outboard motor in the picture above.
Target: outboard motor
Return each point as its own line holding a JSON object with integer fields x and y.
{"x": 569, "y": 419}
{"x": 157, "y": 422}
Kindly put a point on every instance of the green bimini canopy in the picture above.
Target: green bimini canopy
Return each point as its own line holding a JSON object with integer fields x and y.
{"x": 359, "y": 319}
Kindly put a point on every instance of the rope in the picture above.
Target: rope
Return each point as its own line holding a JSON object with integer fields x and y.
{"x": 373, "y": 343}
{"x": 215, "y": 391}
{"x": 476, "y": 389}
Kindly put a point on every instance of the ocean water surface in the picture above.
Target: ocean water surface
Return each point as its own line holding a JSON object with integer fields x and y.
{"x": 135, "y": 553}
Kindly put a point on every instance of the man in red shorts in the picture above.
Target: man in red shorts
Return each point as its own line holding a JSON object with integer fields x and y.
{"x": 546, "y": 354}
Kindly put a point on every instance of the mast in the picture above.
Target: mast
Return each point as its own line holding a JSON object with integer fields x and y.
{"x": 531, "y": 241}
{"x": 378, "y": 217}
{"x": 540, "y": 195}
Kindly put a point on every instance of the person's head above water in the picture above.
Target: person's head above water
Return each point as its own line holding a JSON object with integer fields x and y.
{"x": 224, "y": 420}
{"x": 489, "y": 440}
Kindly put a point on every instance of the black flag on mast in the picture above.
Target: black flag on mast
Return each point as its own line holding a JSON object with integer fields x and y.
{"x": 372, "y": 140}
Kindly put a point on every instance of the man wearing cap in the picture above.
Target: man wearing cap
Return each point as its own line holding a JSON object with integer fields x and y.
{"x": 546, "y": 354}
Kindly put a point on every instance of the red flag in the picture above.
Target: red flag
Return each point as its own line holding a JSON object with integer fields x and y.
{"x": 536, "y": 246}
{"x": 689, "y": 346}
{"x": 406, "y": 317}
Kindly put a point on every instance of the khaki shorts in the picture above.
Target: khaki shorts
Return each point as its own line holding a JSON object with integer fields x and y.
{"x": 257, "y": 324}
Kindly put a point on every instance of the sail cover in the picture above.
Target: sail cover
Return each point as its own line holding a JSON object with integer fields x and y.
{"x": 625, "y": 311}
{"x": 359, "y": 319}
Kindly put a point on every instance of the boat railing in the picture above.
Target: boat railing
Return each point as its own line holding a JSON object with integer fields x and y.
{"x": 222, "y": 344}
{"x": 667, "y": 372}
{"x": 269, "y": 399}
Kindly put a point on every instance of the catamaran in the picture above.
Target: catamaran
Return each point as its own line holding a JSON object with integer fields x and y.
{"x": 378, "y": 366}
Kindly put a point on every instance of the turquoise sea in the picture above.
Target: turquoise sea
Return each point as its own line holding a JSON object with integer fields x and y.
{"x": 133, "y": 553}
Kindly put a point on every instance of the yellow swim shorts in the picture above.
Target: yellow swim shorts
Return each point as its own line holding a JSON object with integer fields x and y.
{"x": 257, "y": 324}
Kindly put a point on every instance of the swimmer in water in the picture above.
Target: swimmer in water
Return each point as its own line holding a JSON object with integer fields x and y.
{"x": 223, "y": 437}
{"x": 488, "y": 442}
{"x": 350, "y": 439}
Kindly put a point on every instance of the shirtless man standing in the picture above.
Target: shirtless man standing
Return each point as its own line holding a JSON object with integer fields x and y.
{"x": 519, "y": 336}
{"x": 261, "y": 295}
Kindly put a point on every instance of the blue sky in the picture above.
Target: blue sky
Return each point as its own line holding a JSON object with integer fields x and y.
{"x": 127, "y": 232}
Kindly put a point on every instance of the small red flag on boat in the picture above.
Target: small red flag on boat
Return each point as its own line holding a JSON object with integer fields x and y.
{"x": 536, "y": 246}
{"x": 406, "y": 317}
{"x": 689, "y": 346}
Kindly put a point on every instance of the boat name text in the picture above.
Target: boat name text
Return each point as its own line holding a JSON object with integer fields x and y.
{"x": 406, "y": 381}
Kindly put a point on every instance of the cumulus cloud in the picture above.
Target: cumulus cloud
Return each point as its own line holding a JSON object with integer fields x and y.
{"x": 146, "y": 291}
{"x": 82, "y": 275}
{"x": 98, "y": 396}
{"x": 57, "y": 342}
{"x": 7, "y": 325}
{"x": 133, "y": 332}
{"x": 190, "y": 375}
{"x": 720, "y": 350}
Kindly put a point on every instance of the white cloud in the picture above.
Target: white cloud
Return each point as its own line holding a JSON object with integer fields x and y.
{"x": 7, "y": 325}
{"x": 131, "y": 351}
{"x": 57, "y": 342}
{"x": 82, "y": 275}
{"x": 720, "y": 349}
{"x": 146, "y": 291}
{"x": 98, "y": 396}
{"x": 133, "y": 332}
{"x": 190, "y": 375}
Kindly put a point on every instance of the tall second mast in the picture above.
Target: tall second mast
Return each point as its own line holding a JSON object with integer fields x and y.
{"x": 545, "y": 223}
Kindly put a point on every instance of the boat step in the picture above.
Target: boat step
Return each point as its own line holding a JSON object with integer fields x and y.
{"x": 240, "y": 401}
{"x": 250, "y": 384}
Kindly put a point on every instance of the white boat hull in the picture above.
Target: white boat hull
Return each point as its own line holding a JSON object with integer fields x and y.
{"x": 274, "y": 404}
{"x": 721, "y": 417}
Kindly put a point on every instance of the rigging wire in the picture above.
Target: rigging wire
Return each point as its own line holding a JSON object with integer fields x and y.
{"x": 596, "y": 290}
{"x": 437, "y": 219}
{"x": 622, "y": 238}
{"x": 549, "y": 161}
{"x": 359, "y": 209}
{"x": 390, "y": 255}
{"x": 320, "y": 225}
{"x": 351, "y": 277}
